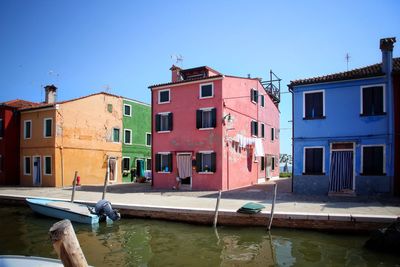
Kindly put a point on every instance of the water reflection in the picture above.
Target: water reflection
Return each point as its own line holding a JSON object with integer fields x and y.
{"x": 158, "y": 243}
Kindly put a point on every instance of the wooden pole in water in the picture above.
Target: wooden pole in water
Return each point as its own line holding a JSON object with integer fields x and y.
{"x": 66, "y": 244}
{"x": 272, "y": 207}
{"x": 217, "y": 208}
{"x": 74, "y": 186}
{"x": 105, "y": 185}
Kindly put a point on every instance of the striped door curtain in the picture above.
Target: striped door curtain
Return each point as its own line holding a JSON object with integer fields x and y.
{"x": 341, "y": 176}
{"x": 184, "y": 163}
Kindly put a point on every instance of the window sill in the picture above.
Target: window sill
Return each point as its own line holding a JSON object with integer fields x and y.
{"x": 129, "y": 144}
{"x": 127, "y": 115}
{"x": 205, "y": 129}
{"x": 370, "y": 174}
{"x": 161, "y": 103}
{"x": 314, "y": 118}
{"x": 163, "y": 172}
{"x": 47, "y": 137}
{"x": 205, "y": 172}
{"x": 163, "y": 131}
{"x": 322, "y": 173}
{"x": 206, "y": 97}
{"x": 371, "y": 115}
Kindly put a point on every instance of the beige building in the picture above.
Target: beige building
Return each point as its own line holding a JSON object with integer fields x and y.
{"x": 59, "y": 138}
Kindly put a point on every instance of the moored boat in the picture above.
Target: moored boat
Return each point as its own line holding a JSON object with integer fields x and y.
{"x": 15, "y": 260}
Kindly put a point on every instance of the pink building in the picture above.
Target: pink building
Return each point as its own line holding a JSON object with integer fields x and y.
{"x": 214, "y": 131}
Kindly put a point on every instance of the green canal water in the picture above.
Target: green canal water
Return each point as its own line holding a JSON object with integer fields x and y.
{"x": 134, "y": 242}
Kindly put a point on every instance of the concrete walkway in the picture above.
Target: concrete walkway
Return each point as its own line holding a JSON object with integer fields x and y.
{"x": 288, "y": 205}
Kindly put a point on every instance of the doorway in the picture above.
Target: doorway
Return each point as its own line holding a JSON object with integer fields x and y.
{"x": 112, "y": 169}
{"x": 341, "y": 178}
{"x": 140, "y": 168}
{"x": 184, "y": 163}
{"x": 37, "y": 171}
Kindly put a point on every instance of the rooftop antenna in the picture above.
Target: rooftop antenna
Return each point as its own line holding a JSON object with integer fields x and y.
{"x": 107, "y": 88}
{"x": 177, "y": 58}
{"x": 347, "y": 57}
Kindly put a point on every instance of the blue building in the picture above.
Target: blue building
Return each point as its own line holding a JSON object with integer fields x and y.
{"x": 343, "y": 130}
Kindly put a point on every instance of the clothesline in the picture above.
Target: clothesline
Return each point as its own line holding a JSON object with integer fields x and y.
{"x": 244, "y": 141}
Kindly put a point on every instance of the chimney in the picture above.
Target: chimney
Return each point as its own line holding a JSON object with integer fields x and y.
{"x": 50, "y": 93}
{"x": 175, "y": 71}
{"x": 386, "y": 46}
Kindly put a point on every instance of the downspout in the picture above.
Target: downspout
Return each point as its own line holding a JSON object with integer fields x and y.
{"x": 291, "y": 91}
{"x": 152, "y": 140}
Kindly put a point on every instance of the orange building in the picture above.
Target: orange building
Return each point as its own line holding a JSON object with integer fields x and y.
{"x": 59, "y": 138}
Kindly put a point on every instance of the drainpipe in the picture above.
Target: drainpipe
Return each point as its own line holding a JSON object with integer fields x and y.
{"x": 152, "y": 139}
{"x": 386, "y": 46}
{"x": 291, "y": 91}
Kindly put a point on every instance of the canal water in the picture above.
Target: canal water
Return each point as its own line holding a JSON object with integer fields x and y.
{"x": 134, "y": 242}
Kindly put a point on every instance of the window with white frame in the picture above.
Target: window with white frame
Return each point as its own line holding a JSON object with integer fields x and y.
{"x": 373, "y": 160}
{"x": 126, "y": 164}
{"x": 262, "y": 130}
{"x": 206, "y": 90}
{"x": 27, "y": 129}
{"x": 47, "y": 127}
{"x": 272, "y": 133}
{"x": 164, "y": 122}
{"x": 47, "y": 165}
{"x": 128, "y": 136}
{"x": 164, "y": 162}
{"x": 127, "y": 110}
{"x": 27, "y": 165}
{"x": 164, "y": 96}
{"x": 254, "y": 128}
{"x": 313, "y": 105}
{"x": 313, "y": 161}
{"x": 373, "y": 100}
{"x": 254, "y": 95}
{"x": 262, "y": 100}
{"x": 206, "y": 161}
{"x": 148, "y": 139}
{"x": 1, "y": 128}
{"x": 206, "y": 118}
{"x": 116, "y": 135}
{"x": 262, "y": 160}
{"x": 148, "y": 164}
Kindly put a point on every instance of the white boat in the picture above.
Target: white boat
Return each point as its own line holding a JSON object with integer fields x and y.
{"x": 18, "y": 261}
{"x": 63, "y": 210}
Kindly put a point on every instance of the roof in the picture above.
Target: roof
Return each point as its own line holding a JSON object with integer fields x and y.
{"x": 19, "y": 104}
{"x": 188, "y": 80}
{"x": 46, "y": 105}
{"x": 365, "y": 72}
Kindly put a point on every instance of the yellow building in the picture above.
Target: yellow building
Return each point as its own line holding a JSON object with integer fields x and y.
{"x": 59, "y": 138}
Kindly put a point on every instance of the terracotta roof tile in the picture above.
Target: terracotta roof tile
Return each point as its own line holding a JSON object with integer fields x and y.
{"x": 20, "y": 104}
{"x": 365, "y": 72}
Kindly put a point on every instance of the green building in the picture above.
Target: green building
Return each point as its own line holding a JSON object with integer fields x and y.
{"x": 136, "y": 141}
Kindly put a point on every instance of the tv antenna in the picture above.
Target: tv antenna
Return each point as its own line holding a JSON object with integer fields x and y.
{"x": 347, "y": 57}
{"x": 177, "y": 58}
{"x": 107, "y": 88}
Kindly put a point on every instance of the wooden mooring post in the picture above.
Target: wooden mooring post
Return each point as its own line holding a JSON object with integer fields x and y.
{"x": 74, "y": 186}
{"x": 272, "y": 207}
{"x": 105, "y": 185}
{"x": 66, "y": 244}
{"x": 217, "y": 208}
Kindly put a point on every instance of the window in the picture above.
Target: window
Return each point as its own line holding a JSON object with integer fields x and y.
{"x": 27, "y": 165}
{"x": 206, "y": 118}
{"x": 163, "y": 96}
{"x": 262, "y": 163}
{"x": 205, "y": 162}
{"x": 109, "y": 108}
{"x": 1, "y": 128}
{"x": 148, "y": 139}
{"x": 206, "y": 90}
{"x": 127, "y": 110}
{"x": 148, "y": 164}
{"x": 262, "y": 130}
{"x": 27, "y": 129}
{"x": 47, "y": 165}
{"x": 373, "y": 162}
{"x": 313, "y": 160}
{"x": 373, "y": 100}
{"x": 164, "y": 162}
{"x": 273, "y": 163}
{"x": 115, "y": 137}
{"x": 254, "y": 128}
{"x": 254, "y": 95}
{"x": 126, "y": 164}
{"x": 262, "y": 100}
{"x": 164, "y": 122}
{"x": 272, "y": 133}
{"x": 47, "y": 127}
{"x": 127, "y": 136}
{"x": 313, "y": 105}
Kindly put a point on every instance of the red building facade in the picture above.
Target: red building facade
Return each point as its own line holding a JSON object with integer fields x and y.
{"x": 214, "y": 131}
{"x": 9, "y": 140}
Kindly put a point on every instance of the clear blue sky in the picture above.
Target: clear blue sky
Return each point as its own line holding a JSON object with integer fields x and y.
{"x": 85, "y": 46}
